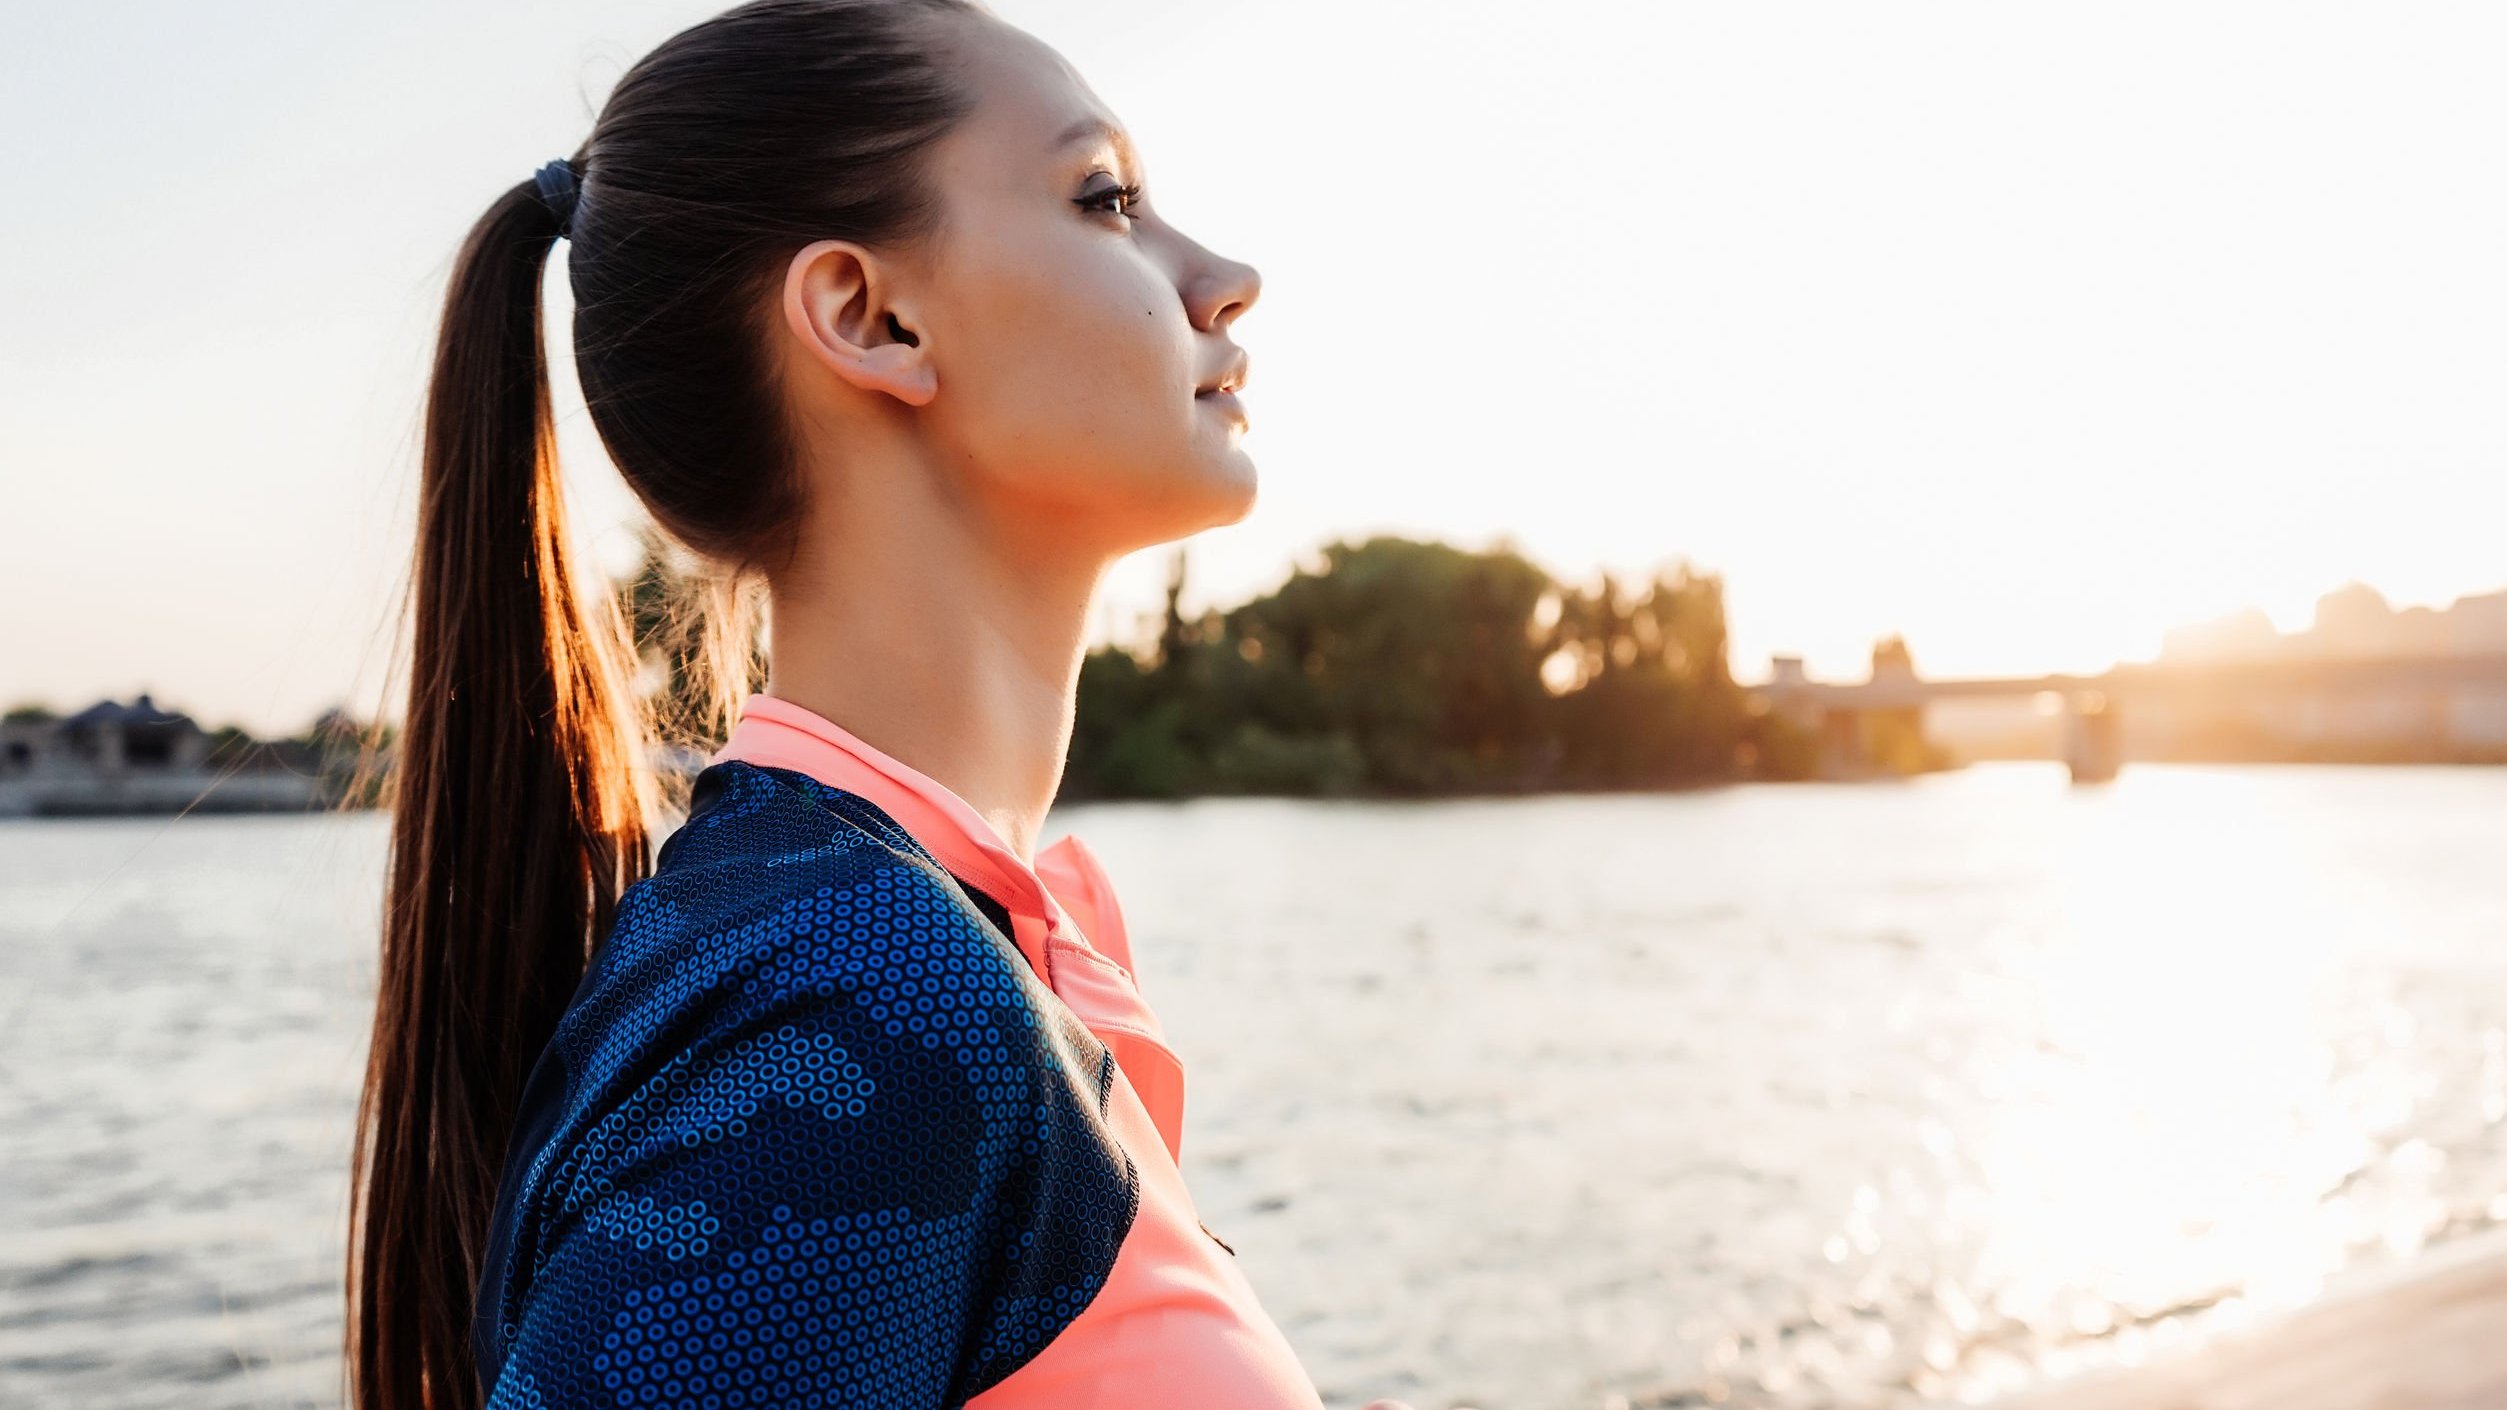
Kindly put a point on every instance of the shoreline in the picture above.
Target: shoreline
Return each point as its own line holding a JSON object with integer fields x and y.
{"x": 2421, "y": 1334}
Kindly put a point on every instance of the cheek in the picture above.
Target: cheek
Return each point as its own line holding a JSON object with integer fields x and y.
{"x": 1080, "y": 374}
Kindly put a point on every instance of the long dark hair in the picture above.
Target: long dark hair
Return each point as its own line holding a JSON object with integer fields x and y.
{"x": 523, "y": 799}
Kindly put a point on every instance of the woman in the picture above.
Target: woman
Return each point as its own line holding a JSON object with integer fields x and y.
{"x": 847, "y": 1096}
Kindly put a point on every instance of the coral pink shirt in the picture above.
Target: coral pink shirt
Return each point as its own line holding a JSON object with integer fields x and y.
{"x": 1176, "y": 1324}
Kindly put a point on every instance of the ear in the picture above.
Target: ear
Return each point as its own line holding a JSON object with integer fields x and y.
{"x": 837, "y": 301}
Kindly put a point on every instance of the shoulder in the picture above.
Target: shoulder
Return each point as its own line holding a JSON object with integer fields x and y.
{"x": 803, "y": 1067}
{"x": 772, "y": 899}
{"x": 777, "y": 879}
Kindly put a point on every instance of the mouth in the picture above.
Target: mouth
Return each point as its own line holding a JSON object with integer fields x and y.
{"x": 1225, "y": 403}
{"x": 1227, "y": 383}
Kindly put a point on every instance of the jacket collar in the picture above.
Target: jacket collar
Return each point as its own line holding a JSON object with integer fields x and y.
{"x": 779, "y": 734}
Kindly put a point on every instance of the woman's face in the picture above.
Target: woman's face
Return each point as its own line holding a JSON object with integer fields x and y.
{"x": 1069, "y": 327}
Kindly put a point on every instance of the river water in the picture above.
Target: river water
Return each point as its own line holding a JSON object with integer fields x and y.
{"x": 1795, "y": 1096}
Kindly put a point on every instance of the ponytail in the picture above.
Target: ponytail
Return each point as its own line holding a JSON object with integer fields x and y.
{"x": 521, "y": 800}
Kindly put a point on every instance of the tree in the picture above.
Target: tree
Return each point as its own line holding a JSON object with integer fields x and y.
{"x": 676, "y": 616}
{"x": 1398, "y": 666}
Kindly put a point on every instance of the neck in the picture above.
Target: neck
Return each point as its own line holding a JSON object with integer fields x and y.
{"x": 947, "y": 644}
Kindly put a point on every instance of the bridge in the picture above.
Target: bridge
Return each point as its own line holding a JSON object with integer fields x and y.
{"x": 2464, "y": 694}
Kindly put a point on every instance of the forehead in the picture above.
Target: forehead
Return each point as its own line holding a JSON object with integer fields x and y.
{"x": 1032, "y": 108}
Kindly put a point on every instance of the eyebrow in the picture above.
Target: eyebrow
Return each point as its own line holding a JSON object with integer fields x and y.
{"x": 1097, "y": 127}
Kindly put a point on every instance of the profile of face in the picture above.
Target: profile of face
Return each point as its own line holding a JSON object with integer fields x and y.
{"x": 1050, "y": 354}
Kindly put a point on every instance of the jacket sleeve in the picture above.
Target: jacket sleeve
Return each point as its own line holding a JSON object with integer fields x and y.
{"x": 869, "y": 1170}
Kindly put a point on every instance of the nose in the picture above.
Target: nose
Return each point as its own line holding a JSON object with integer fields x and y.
{"x": 1220, "y": 289}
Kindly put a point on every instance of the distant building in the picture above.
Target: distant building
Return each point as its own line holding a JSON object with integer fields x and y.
{"x": 139, "y": 758}
{"x": 2353, "y": 622}
{"x": 2364, "y": 682}
{"x": 108, "y": 736}
{"x": 2356, "y": 620}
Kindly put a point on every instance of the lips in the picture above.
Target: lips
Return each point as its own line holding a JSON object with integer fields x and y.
{"x": 1226, "y": 404}
{"x": 1228, "y": 381}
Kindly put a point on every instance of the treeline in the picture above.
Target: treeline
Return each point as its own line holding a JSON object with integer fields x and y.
{"x": 1402, "y": 667}
{"x": 1393, "y": 667}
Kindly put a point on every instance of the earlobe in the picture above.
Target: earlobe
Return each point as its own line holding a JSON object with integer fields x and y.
{"x": 834, "y": 304}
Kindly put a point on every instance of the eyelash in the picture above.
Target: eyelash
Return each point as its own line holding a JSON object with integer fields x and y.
{"x": 1130, "y": 195}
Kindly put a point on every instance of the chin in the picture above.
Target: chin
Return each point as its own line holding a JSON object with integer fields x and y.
{"x": 1210, "y": 490}
{"x": 1235, "y": 487}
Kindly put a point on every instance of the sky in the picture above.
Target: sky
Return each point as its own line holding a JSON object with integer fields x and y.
{"x": 2025, "y": 330}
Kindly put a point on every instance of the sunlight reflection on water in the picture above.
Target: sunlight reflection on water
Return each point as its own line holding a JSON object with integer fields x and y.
{"x": 1801, "y": 1096}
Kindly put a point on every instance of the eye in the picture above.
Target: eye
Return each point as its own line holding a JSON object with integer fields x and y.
{"x": 1096, "y": 200}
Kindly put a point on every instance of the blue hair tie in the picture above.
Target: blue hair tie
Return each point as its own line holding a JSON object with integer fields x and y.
{"x": 558, "y": 192}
